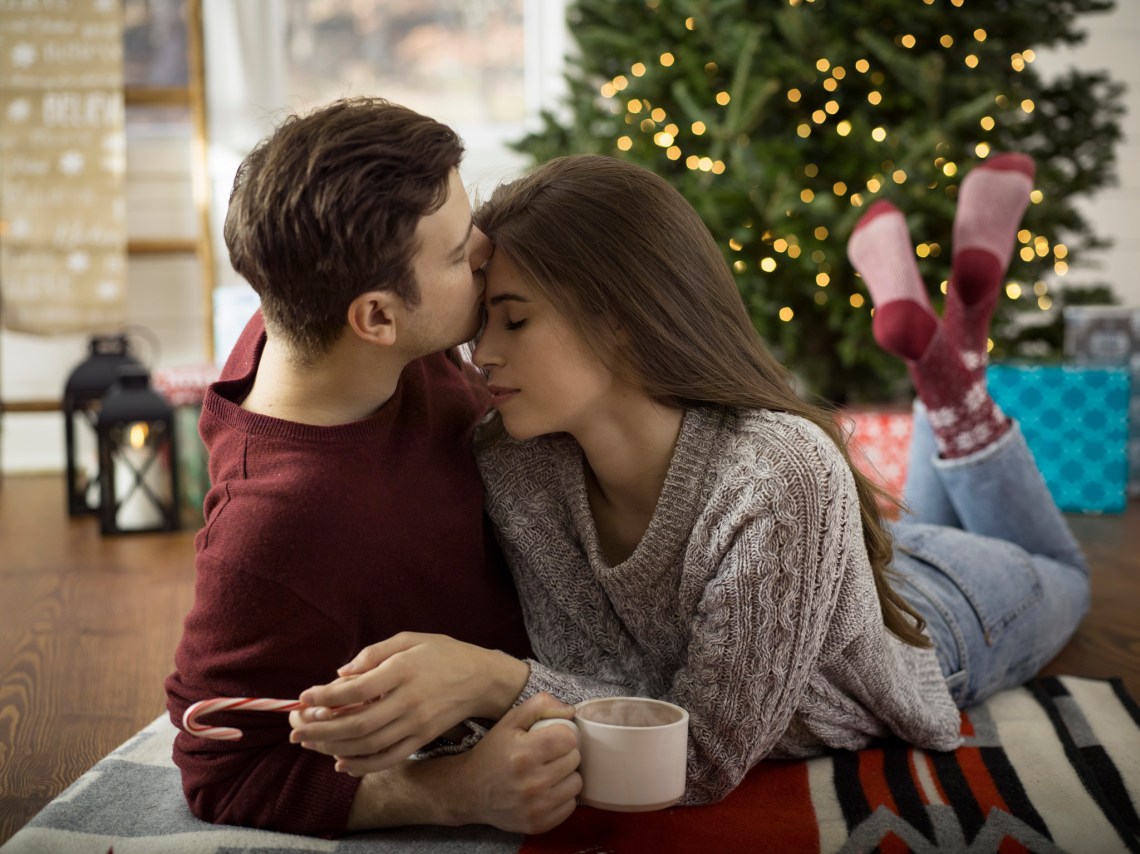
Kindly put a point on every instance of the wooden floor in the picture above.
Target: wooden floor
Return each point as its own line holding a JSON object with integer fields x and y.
{"x": 88, "y": 626}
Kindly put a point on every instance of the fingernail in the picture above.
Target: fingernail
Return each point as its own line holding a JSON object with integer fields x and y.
{"x": 294, "y": 737}
{"x": 321, "y": 713}
{"x": 308, "y": 745}
{"x": 307, "y": 698}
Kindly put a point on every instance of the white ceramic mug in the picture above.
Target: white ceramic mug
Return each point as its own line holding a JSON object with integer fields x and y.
{"x": 634, "y": 752}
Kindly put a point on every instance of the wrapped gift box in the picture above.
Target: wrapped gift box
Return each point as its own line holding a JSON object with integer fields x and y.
{"x": 1103, "y": 336}
{"x": 879, "y": 442}
{"x": 1075, "y": 420}
{"x": 185, "y": 389}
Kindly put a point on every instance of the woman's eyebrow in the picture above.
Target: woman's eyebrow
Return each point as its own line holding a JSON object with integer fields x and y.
{"x": 508, "y": 297}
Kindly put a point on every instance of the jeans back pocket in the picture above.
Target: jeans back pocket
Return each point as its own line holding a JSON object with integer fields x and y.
{"x": 996, "y": 577}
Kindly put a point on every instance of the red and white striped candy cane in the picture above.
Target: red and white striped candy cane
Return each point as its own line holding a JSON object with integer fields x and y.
{"x": 218, "y": 704}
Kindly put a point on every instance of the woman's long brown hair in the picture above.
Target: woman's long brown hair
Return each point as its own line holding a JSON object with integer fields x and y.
{"x": 627, "y": 260}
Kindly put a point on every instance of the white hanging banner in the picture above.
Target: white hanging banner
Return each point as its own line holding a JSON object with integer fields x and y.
{"x": 63, "y": 230}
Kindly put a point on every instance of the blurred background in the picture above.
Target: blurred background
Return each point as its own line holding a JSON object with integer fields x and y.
{"x": 122, "y": 122}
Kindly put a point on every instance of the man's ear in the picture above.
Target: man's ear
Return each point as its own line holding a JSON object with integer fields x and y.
{"x": 374, "y": 316}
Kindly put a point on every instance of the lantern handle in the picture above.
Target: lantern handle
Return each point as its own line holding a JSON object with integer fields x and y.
{"x": 134, "y": 332}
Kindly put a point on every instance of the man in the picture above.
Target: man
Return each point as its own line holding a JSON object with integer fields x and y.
{"x": 345, "y": 503}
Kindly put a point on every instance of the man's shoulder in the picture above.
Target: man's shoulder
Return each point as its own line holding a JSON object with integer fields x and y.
{"x": 246, "y": 352}
{"x": 446, "y": 382}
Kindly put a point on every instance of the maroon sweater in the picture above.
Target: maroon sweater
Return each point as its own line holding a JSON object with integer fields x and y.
{"x": 319, "y": 541}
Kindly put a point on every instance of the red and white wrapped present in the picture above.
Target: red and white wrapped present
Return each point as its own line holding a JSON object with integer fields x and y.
{"x": 879, "y": 443}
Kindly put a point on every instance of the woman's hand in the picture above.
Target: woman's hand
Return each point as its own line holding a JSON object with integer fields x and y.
{"x": 402, "y": 693}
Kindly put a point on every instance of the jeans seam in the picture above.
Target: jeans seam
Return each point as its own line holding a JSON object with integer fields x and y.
{"x": 955, "y": 630}
{"x": 990, "y": 633}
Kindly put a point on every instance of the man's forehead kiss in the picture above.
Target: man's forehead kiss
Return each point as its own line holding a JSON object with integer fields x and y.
{"x": 458, "y": 250}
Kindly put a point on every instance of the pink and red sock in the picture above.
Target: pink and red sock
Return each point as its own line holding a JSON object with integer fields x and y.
{"x": 963, "y": 416}
{"x": 881, "y": 251}
{"x": 991, "y": 202}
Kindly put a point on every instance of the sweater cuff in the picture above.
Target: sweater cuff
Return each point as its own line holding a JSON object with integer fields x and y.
{"x": 543, "y": 678}
{"x": 476, "y": 729}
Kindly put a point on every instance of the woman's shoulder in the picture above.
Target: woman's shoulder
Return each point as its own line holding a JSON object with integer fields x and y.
{"x": 781, "y": 439}
{"x": 768, "y": 460}
{"x": 502, "y": 458}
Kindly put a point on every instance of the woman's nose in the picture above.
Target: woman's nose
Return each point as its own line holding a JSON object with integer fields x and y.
{"x": 483, "y": 356}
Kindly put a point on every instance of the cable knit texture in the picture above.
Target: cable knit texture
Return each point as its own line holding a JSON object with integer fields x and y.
{"x": 749, "y": 601}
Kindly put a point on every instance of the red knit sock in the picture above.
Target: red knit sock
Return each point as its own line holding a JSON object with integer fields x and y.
{"x": 991, "y": 202}
{"x": 962, "y": 414}
{"x": 880, "y": 249}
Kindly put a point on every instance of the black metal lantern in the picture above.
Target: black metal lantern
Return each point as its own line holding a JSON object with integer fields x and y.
{"x": 138, "y": 459}
{"x": 82, "y": 398}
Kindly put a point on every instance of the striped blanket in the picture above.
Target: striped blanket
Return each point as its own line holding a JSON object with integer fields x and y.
{"x": 1053, "y": 766}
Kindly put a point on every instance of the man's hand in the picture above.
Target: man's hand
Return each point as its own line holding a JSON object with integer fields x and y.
{"x": 523, "y": 781}
{"x": 514, "y": 779}
{"x": 402, "y": 693}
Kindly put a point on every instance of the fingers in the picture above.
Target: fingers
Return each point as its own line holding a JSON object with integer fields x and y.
{"x": 348, "y": 691}
{"x": 363, "y": 731}
{"x": 366, "y": 677}
{"x": 376, "y": 654}
{"x": 538, "y": 707}
{"x": 358, "y": 766}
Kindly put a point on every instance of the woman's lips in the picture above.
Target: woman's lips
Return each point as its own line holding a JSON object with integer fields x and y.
{"x": 499, "y": 394}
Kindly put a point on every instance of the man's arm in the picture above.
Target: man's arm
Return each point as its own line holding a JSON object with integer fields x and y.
{"x": 249, "y": 636}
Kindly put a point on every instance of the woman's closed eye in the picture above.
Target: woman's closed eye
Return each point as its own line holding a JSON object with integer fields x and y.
{"x": 512, "y": 325}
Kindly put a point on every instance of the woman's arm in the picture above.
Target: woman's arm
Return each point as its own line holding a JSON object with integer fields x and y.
{"x": 753, "y": 643}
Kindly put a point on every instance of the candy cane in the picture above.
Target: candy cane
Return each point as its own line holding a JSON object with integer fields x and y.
{"x": 218, "y": 704}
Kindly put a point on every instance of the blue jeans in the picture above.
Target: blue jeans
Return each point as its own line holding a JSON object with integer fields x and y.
{"x": 986, "y": 557}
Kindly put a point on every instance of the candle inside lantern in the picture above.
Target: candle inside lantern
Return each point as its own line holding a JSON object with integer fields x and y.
{"x": 138, "y": 509}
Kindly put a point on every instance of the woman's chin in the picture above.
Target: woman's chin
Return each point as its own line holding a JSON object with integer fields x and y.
{"x": 518, "y": 431}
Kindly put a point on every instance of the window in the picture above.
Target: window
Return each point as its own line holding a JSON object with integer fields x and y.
{"x": 461, "y": 61}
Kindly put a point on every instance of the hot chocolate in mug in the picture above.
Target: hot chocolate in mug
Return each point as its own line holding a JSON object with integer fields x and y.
{"x": 634, "y": 752}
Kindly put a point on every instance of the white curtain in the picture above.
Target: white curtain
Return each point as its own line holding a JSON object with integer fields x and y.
{"x": 244, "y": 46}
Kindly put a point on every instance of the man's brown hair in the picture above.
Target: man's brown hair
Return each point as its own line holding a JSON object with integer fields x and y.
{"x": 326, "y": 208}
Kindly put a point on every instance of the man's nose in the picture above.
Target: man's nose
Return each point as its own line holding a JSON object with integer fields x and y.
{"x": 480, "y": 249}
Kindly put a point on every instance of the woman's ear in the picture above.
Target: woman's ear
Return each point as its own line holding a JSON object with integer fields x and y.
{"x": 374, "y": 316}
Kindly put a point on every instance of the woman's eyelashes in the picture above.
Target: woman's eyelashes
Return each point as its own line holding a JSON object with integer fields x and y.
{"x": 512, "y": 325}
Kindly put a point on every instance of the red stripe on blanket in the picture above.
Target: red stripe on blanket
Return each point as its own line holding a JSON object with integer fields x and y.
{"x": 772, "y": 804}
{"x": 981, "y": 784}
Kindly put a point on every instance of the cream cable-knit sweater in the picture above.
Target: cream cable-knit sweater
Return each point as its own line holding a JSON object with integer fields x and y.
{"x": 749, "y": 601}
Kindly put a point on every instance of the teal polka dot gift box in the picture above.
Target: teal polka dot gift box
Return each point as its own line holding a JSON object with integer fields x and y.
{"x": 1075, "y": 420}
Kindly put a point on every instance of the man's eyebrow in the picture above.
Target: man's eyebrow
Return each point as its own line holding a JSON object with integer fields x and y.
{"x": 508, "y": 297}
{"x": 458, "y": 250}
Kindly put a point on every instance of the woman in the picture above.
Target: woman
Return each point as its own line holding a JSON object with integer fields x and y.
{"x": 681, "y": 525}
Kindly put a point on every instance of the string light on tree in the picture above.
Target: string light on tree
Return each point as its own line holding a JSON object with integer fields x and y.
{"x": 733, "y": 104}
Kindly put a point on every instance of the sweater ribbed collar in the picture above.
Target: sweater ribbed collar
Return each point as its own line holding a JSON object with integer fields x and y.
{"x": 682, "y": 497}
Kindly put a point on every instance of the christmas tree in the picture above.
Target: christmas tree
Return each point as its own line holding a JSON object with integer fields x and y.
{"x": 781, "y": 121}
